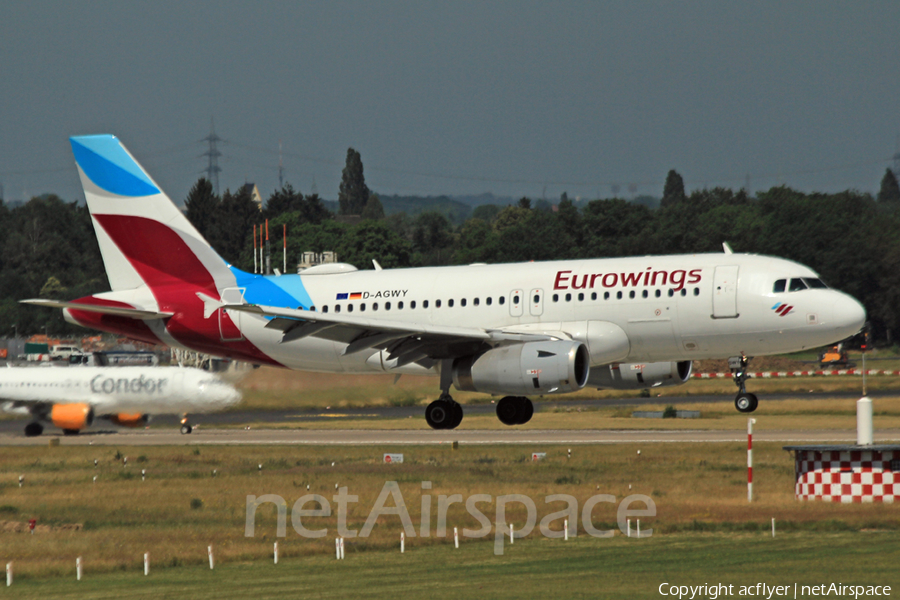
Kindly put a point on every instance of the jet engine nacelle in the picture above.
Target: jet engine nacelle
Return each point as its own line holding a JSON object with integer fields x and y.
{"x": 129, "y": 420}
{"x": 640, "y": 375}
{"x": 72, "y": 416}
{"x": 554, "y": 367}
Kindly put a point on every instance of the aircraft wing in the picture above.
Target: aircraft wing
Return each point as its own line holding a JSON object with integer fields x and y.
{"x": 119, "y": 311}
{"x": 406, "y": 342}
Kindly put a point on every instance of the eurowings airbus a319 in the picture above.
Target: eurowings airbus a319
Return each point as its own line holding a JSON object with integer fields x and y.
{"x": 513, "y": 330}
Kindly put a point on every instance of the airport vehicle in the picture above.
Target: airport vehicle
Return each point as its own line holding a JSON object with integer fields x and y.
{"x": 71, "y": 398}
{"x": 510, "y": 329}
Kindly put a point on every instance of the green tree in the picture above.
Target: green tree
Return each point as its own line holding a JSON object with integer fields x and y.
{"x": 890, "y": 191}
{"x": 373, "y": 210}
{"x": 281, "y": 201}
{"x": 673, "y": 191}
{"x": 353, "y": 194}
{"x": 374, "y": 240}
{"x": 232, "y": 229}
{"x": 200, "y": 207}
{"x": 486, "y": 212}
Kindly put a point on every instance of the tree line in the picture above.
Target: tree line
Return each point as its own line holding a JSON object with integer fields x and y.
{"x": 851, "y": 239}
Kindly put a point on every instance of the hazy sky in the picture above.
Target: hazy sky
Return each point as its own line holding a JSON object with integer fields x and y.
{"x": 515, "y": 98}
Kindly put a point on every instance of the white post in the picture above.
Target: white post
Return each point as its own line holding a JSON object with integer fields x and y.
{"x": 78, "y": 568}
{"x": 402, "y": 542}
{"x": 629, "y": 529}
{"x": 210, "y": 552}
{"x": 566, "y": 529}
{"x": 143, "y": 474}
{"x": 342, "y": 548}
{"x": 337, "y": 549}
{"x": 21, "y": 479}
{"x": 773, "y": 526}
{"x": 276, "y": 553}
{"x": 750, "y": 423}
{"x": 511, "y": 538}
{"x": 639, "y": 528}
{"x": 8, "y": 574}
{"x": 455, "y": 537}
{"x": 146, "y": 563}
{"x": 95, "y": 479}
{"x": 864, "y": 432}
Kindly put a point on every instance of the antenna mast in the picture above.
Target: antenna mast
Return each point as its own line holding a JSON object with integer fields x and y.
{"x": 213, "y": 170}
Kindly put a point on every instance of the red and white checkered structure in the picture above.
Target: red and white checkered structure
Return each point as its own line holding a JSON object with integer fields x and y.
{"x": 847, "y": 473}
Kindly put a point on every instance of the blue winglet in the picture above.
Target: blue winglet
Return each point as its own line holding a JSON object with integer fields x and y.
{"x": 106, "y": 162}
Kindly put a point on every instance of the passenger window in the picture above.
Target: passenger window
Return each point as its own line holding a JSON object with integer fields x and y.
{"x": 683, "y": 292}
{"x": 362, "y": 307}
{"x": 658, "y": 293}
{"x": 502, "y": 299}
{"x": 696, "y": 291}
{"x": 490, "y": 300}
{"x": 618, "y": 295}
{"x": 450, "y": 303}
{"x": 581, "y": 297}
{"x": 400, "y": 305}
{"x": 779, "y": 286}
{"x": 437, "y": 303}
{"x": 462, "y": 302}
{"x": 387, "y": 306}
{"x": 671, "y": 293}
{"x": 631, "y": 294}
{"x": 412, "y": 305}
{"x": 424, "y": 303}
{"x": 606, "y": 295}
{"x": 537, "y": 299}
{"x": 477, "y": 301}
{"x": 556, "y": 297}
{"x": 797, "y": 285}
{"x": 516, "y": 299}
{"x": 374, "y": 306}
{"x": 645, "y": 293}
{"x": 568, "y": 297}
{"x": 593, "y": 295}
{"x": 325, "y": 309}
{"x": 349, "y": 308}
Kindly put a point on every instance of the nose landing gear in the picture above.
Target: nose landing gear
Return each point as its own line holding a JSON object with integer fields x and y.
{"x": 745, "y": 402}
{"x": 186, "y": 427}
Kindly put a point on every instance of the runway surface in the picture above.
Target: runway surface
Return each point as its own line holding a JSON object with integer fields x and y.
{"x": 357, "y": 437}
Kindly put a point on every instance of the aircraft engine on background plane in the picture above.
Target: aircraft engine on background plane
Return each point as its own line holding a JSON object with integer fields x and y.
{"x": 636, "y": 376}
{"x": 553, "y": 367}
{"x": 129, "y": 420}
{"x": 71, "y": 417}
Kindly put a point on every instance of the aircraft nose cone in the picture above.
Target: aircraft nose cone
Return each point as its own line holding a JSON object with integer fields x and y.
{"x": 849, "y": 315}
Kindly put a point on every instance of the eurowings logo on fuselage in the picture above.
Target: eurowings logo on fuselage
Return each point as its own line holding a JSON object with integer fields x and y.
{"x": 782, "y": 309}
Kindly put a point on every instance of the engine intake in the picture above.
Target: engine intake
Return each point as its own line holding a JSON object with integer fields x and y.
{"x": 72, "y": 416}
{"x": 640, "y": 375}
{"x": 555, "y": 367}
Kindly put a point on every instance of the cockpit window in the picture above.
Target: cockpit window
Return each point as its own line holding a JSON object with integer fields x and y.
{"x": 779, "y": 286}
{"x": 816, "y": 284}
{"x": 797, "y": 285}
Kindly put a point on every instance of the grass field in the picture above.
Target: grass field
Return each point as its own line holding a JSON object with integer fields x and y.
{"x": 580, "y": 568}
{"x": 699, "y": 492}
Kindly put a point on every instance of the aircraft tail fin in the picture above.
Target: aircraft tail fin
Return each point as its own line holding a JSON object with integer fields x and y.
{"x": 144, "y": 238}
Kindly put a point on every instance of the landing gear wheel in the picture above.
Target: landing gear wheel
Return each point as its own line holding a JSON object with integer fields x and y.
{"x": 515, "y": 410}
{"x": 440, "y": 414}
{"x": 33, "y": 430}
{"x": 508, "y": 410}
{"x": 746, "y": 402}
{"x": 186, "y": 429}
{"x": 457, "y": 414}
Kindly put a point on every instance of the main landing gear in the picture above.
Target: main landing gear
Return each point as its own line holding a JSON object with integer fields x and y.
{"x": 515, "y": 410}
{"x": 445, "y": 412}
{"x": 34, "y": 429}
{"x": 745, "y": 402}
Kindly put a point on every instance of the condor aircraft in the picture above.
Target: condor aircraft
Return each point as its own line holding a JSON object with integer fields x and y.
{"x": 509, "y": 329}
{"x": 72, "y": 397}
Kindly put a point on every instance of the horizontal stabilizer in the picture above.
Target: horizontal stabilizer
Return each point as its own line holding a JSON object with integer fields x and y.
{"x": 118, "y": 311}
